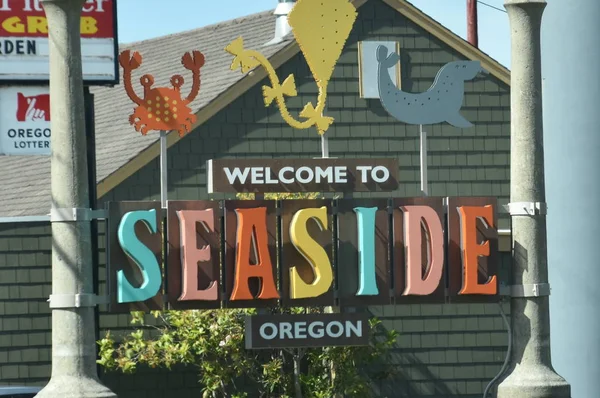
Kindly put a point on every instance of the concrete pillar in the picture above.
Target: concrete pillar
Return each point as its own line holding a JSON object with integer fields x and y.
{"x": 73, "y": 345}
{"x": 531, "y": 374}
{"x": 570, "y": 66}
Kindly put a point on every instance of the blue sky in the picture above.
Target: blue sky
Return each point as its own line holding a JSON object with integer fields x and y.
{"x": 163, "y": 17}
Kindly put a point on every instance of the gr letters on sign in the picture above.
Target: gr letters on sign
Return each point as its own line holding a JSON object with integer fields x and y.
{"x": 246, "y": 253}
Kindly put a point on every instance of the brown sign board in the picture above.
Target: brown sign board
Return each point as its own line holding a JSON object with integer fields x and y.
{"x": 321, "y": 252}
{"x": 320, "y": 249}
{"x": 301, "y": 175}
{"x": 352, "y": 291}
{"x": 194, "y": 242}
{"x": 414, "y": 248}
{"x": 307, "y": 330}
{"x": 472, "y": 265}
{"x": 250, "y": 266}
{"x": 120, "y": 262}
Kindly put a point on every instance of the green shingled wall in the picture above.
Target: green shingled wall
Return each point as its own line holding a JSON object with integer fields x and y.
{"x": 442, "y": 351}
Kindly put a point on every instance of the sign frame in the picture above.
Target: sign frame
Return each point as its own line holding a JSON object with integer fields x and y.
{"x": 86, "y": 81}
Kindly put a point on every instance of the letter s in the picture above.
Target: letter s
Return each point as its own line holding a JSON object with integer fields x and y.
{"x": 143, "y": 257}
{"x": 313, "y": 252}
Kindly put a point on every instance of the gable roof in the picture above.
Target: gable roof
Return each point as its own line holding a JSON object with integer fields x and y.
{"x": 25, "y": 180}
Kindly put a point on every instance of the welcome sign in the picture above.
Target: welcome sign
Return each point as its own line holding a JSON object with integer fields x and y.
{"x": 323, "y": 252}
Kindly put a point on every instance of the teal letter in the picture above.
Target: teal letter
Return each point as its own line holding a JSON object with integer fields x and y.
{"x": 141, "y": 255}
{"x": 366, "y": 251}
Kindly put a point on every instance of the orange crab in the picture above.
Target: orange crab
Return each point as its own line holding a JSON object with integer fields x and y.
{"x": 162, "y": 108}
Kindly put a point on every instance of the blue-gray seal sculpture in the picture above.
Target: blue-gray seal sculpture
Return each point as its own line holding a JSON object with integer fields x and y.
{"x": 441, "y": 103}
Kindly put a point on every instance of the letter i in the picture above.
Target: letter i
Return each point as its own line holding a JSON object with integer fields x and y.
{"x": 366, "y": 250}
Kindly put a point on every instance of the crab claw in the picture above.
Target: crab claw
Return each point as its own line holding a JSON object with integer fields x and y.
{"x": 193, "y": 61}
{"x": 130, "y": 61}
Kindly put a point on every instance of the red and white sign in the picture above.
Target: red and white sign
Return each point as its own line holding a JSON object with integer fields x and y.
{"x": 24, "y": 41}
{"x": 25, "y": 120}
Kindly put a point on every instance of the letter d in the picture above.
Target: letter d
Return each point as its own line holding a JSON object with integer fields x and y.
{"x": 141, "y": 255}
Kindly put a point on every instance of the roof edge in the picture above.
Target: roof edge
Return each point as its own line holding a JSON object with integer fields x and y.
{"x": 279, "y": 58}
{"x": 451, "y": 39}
{"x": 222, "y": 100}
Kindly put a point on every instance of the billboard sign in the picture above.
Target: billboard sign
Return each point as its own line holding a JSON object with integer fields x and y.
{"x": 24, "y": 46}
{"x": 25, "y": 120}
{"x": 297, "y": 253}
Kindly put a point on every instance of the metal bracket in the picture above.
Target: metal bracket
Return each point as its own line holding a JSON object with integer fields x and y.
{"x": 527, "y": 208}
{"x": 533, "y": 290}
{"x": 76, "y": 300}
{"x": 75, "y": 214}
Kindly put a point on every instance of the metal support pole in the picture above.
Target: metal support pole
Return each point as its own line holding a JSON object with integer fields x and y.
{"x": 74, "y": 372}
{"x": 90, "y": 134}
{"x": 163, "y": 169}
{"x": 423, "y": 153}
{"x": 531, "y": 374}
{"x": 324, "y": 146}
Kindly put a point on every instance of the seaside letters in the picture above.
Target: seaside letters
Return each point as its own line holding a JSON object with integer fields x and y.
{"x": 246, "y": 253}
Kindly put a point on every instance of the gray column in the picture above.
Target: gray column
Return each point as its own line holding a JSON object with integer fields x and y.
{"x": 73, "y": 346}
{"x": 571, "y": 69}
{"x": 531, "y": 374}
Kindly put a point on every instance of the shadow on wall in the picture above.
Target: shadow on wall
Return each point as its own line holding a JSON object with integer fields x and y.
{"x": 180, "y": 382}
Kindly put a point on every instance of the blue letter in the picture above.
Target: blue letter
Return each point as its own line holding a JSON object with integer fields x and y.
{"x": 366, "y": 250}
{"x": 141, "y": 255}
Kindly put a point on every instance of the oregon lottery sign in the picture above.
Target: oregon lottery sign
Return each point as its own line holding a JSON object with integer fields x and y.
{"x": 24, "y": 47}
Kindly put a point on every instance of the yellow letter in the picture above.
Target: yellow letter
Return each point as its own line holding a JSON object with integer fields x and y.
{"x": 13, "y": 25}
{"x": 37, "y": 24}
{"x": 88, "y": 26}
{"x": 313, "y": 252}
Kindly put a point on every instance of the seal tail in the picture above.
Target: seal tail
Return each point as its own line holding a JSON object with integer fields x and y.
{"x": 458, "y": 120}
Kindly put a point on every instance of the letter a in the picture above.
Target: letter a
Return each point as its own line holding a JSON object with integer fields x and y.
{"x": 416, "y": 282}
{"x": 191, "y": 255}
{"x": 251, "y": 221}
{"x": 366, "y": 249}
{"x": 313, "y": 252}
{"x": 141, "y": 255}
{"x": 471, "y": 249}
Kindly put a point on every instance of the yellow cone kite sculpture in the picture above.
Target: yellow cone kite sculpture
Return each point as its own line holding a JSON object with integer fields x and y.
{"x": 321, "y": 28}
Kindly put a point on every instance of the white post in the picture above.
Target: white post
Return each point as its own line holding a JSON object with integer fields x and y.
{"x": 324, "y": 146}
{"x": 163, "y": 169}
{"x": 74, "y": 373}
{"x": 423, "y": 150}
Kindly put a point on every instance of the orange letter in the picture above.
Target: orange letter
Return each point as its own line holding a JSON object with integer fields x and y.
{"x": 37, "y": 24}
{"x": 191, "y": 255}
{"x": 13, "y": 25}
{"x": 471, "y": 249}
{"x": 88, "y": 26}
{"x": 415, "y": 284}
{"x": 252, "y": 229}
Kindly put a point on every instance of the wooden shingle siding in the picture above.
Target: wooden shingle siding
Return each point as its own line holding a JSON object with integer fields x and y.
{"x": 442, "y": 350}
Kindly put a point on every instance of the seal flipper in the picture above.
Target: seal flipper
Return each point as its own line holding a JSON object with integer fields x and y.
{"x": 458, "y": 120}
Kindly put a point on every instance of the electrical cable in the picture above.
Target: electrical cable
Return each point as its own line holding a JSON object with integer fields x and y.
{"x": 491, "y": 6}
{"x": 505, "y": 365}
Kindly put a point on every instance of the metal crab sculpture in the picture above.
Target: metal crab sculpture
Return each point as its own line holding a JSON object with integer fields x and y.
{"x": 162, "y": 108}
